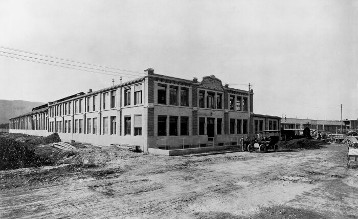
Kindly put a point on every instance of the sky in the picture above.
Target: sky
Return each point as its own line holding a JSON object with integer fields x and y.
{"x": 301, "y": 57}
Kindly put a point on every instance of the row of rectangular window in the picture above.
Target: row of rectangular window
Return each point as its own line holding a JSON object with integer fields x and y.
{"x": 173, "y": 125}
{"x": 177, "y": 95}
{"x": 65, "y": 108}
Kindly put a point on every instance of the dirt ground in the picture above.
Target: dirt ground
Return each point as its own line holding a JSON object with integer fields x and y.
{"x": 123, "y": 184}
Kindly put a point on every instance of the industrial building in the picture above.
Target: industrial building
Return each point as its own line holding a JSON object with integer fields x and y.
{"x": 297, "y": 125}
{"x": 154, "y": 111}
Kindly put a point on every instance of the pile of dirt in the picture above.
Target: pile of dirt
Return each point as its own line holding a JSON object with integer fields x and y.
{"x": 302, "y": 143}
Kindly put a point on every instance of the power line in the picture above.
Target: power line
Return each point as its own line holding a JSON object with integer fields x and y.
{"x": 63, "y": 64}
{"x": 57, "y": 65}
{"x": 69, "y": 60}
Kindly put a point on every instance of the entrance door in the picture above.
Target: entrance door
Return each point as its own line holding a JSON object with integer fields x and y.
{"x": 210, "y": 127}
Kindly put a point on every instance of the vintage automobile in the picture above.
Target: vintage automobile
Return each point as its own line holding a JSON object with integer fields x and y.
{"x": 352, "y": 143}
{"x": 264, "y": 145}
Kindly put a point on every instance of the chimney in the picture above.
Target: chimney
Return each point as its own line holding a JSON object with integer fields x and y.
{"x": 195, "y": 79}
{"x": 90, "y": 91}
{"x": 150, "y": 71}
{"x": 226, "y": 85}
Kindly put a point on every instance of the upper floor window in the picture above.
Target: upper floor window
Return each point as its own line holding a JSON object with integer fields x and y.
{"x": 238, "y": 103}
{"x": 94, "y": 103}
{"x": 127, "y": 97}
{"x": 219, "y": 100}
{"x": 113, "y": 99}
{"x": 69, "y": 107}
{"x": 202, "y": 99}
{"x": 184, "y": 96}
{"x": 80, "y": 106}
{"x": 88, "y": 103}
{"x": 104, "y": 100}
{"x": 138, "y": 94}
{"x": 173, "y": 94}
{"x": 162, "y": 94}
{"x": 232, "y": 102}
{"x": 244, "y": 104}
{"x": 210, "y": 100}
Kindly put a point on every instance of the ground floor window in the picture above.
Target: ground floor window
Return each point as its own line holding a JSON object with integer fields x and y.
{"x": 80, "y": 125}
{"x": 244, "y": 126}
{"x": 94, "y": 131}
{"x": 232, "y": 126}
{"x": 89, "y": 126}
{"x": 162, "y": 125}
{"x": 184, "y": 125}
{"x": 239, "y": 126}
{"x": 173, "y": 125}
{"x": 105, "y": 125}
{"x": 202, "y": 126}
{"x": 137, "y": 125}
{"x": 113, "y": 125}
{"x": 219, "y": 126}
{"x": 69, "y": 126}
{"x": 127, "y": 125}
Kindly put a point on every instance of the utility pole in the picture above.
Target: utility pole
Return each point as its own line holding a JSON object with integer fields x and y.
{"x": 248, "y": 107}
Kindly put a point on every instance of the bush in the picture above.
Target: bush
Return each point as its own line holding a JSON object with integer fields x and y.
{"x": 15, "y": 155}
{"x": 52, "y": 138}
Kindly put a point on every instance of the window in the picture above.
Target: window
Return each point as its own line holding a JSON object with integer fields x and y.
{"x": 202, "y": 99}
{"x": 127, "y": 125}
{"x": 105, "y": 125}
{"x": 218, "y": 126}
{"x": 65, "y": 129}
{"x": 76, "y": 106}
{"x": 238, "y": 103}
{"x": 244, "y": 104}
{"x": 244, "y": 126}
{"x": 69, "y": 126}
{"x": 270, "y": 125}
{"x": 127, "y": 97}
{"x": 104, "y": 100}
{"x": 201, "y": 126}
{"x": 65, "y": 108}
{"x": 80, "y": 126}
{"x": 232, "y": 102}
{"x": 69, "y": 107}
{"x": 75, "y": 130}
{"x": 210, "y": 100}
{"x": 137, "y": 124}
{"x": 94, "y": 126}
{"x": 219, "y": 103}
{"x": 113, "y": 125}
{"x": 88, "y": 104}
{"x": 162, "y": 125}
{"x": 239, "y": 126}
{"x": 232, "y": 126}
{"x": 184, "y": 125}
{"x": 138, "y": 94}
{"x": 94, "y": 103}
{"x": 274, "y": 125}
{"x": 162, "y": 94}
{"x": 184, "y": 96}
{"x": 80, "y": 106}
{"x": 88, "y": 126}
{"x": 173, "y": 125}
{"x": 261, "y": 128}
{"x": 113, "y": 99}
{"x": 173, "y": 95}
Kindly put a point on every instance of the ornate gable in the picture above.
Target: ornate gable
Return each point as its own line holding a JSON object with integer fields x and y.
{"x": 211, "y": 82}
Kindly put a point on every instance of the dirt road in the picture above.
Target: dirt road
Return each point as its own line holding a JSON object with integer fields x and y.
{"x": 301, "y": 184}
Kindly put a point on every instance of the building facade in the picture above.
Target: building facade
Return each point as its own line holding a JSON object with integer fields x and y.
{"x": 151, "y": 111}
{"x": 297, "y": 125}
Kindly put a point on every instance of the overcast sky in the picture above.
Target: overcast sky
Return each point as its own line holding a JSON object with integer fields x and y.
{"x": 300, "y": 56}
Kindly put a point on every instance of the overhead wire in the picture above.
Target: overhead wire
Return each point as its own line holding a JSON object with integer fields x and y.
{"x": 59, "y": 65}
{"x": 69, "y": 60}
{"x": 69, "y": 63}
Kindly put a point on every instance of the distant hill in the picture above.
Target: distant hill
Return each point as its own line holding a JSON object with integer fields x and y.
{"x": 13, "y": 108}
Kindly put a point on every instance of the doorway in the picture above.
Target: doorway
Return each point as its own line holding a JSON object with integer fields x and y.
{"x": 211, "y": 127}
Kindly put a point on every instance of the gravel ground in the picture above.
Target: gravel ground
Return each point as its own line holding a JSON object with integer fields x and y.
{"x": 109, "y": 182}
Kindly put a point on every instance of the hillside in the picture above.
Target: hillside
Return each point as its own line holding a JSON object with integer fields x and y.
{"x": 13, "y": 108}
